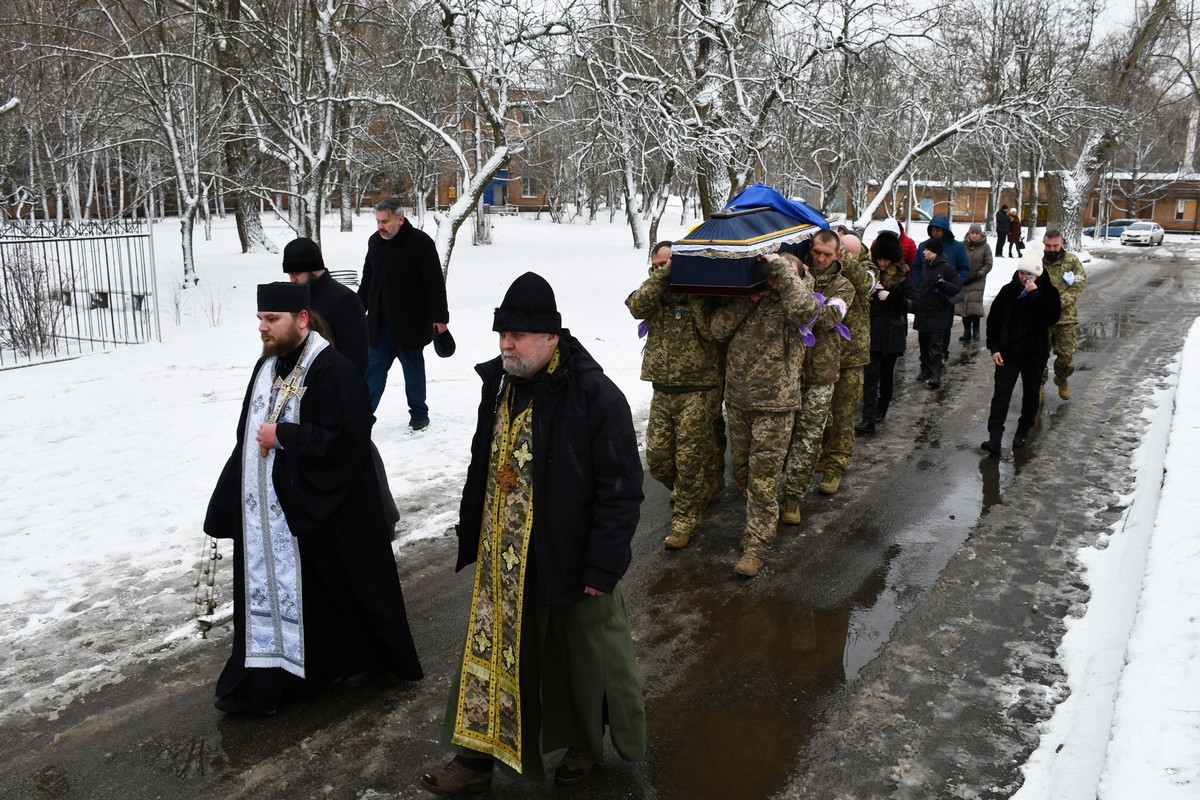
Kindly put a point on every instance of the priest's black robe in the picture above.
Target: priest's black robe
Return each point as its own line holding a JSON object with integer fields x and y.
{"x": 354, "y": 617}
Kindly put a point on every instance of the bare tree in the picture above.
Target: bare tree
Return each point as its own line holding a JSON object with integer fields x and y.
{"x": 475, "y": 67}
{"x": 1069, "y": 189}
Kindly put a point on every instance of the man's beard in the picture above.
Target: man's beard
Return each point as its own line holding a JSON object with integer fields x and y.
{"x": 527, "y": 368}
{"x": 515, "y": 367}
{"x": 283, "y": 345}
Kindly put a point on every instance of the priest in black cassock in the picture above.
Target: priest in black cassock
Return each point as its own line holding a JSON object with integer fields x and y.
{"x": 316, "y": 594}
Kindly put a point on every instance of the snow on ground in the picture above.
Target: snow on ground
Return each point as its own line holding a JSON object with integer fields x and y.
{"x": 114, "y": 455}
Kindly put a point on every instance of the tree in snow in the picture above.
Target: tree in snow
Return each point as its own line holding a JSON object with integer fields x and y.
{"x": 469, "y": 70}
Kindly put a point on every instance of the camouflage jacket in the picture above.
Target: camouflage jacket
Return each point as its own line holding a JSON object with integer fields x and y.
{"x": 823, "y": 361}
{"x": 857, "y": 351}
{"x": 680, "y": 352}
{"x": 766, "y": 354}
{"x": 1068, "y": 294}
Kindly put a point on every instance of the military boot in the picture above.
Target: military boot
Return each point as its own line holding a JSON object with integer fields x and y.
{"x": 830, "y": 483}
{"x": 680, "y": 535}
{"x": 791, "y": 510}
{"x": 748, "y": 565}
{"x": 1064, "y": 391}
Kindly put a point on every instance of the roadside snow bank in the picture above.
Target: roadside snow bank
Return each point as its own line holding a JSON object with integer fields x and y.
{"x": 1129, "y": 728}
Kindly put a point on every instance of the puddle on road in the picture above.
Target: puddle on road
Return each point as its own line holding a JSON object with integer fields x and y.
{"x": 1121, "y": 326}
{"x": 757, "y": 669}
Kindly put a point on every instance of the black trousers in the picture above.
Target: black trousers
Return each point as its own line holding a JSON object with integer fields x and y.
{"x": 1001, "y": 238}
{"x": 931, "y": 353}
{"x": 879, "y": 378}
{"x": 1030, "y": 373}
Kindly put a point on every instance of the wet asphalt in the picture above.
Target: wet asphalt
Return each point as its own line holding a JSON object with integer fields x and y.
{"x": 898, "y": 644}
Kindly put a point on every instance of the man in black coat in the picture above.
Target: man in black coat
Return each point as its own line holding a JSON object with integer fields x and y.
{"x": 1018, "y": 335}
{"x": 335, "y": 303}
{"x": 549, "y": 508}
{"x": 1003, "y": 221}
{"x": 316, "y": 594}
{"x": 404, "y": 293}
{"x": 342, "y": 312}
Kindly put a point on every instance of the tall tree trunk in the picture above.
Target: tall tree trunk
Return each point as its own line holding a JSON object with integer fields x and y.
{"x": 659, "y": 207}
{"x": 1068, "y": 190}
{"x": 632, "y": 207}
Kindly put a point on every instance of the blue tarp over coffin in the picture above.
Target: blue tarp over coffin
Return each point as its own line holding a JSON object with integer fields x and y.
{"x": 723, "y": 255}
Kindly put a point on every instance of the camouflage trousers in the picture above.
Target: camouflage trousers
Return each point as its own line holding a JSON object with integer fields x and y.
{"x": 839, "y": 430}
{"x": 680, "y": 441}
{"x": 1062, "y": 344}
{"x": 806, "y": 438}
{"x": 758, "y": 442}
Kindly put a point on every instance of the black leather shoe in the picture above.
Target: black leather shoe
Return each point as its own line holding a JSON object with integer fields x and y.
{"x": 866, "y": 426}
{"x": 992, "y": 445}
{"x": 1020, "y": 440}
{"x": 574, "y": 767}
{"x": 456, "y": 778}
{"x": 419, "y": 424}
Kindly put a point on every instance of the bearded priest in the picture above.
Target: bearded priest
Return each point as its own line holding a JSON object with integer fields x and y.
{"x": 316, "y": 594}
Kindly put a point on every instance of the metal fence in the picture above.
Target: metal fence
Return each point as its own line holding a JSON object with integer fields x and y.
{"x": 74, "y": 287}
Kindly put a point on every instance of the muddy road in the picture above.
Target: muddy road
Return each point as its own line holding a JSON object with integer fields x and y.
{"x": 898, "y": 644}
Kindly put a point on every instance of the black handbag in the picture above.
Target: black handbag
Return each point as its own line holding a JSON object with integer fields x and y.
{"x": 443, "y": 344}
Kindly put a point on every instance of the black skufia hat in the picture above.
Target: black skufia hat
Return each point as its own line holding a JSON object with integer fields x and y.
{"x": 443, "y": 344}
{"x": 528, "y": 306}
{"x": 302, "y": 255}
{"x": 283, "y": 296}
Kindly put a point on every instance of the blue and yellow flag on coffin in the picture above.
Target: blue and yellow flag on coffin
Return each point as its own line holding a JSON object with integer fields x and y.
{"x": 723, "y": 255}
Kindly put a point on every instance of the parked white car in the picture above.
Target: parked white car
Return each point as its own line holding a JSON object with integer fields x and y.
{"x": 1143, "y": 233}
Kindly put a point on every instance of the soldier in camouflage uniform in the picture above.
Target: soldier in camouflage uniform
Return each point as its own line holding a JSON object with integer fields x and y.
{"x": 680, "y": 361}
{"x": 856, "y": 354}
{"x": 1068, "y": 276}
{"x": 762, "y": 394}
{"x": 822, "y": 363}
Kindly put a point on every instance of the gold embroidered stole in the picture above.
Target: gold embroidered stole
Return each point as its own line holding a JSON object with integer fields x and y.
{"x": 488, "y": 716}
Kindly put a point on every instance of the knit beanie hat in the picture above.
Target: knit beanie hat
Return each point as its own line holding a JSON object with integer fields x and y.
{"x": 528, "y": 306}
{"x": 886, "y": 246}
{"x": 935, "y": 246}
{"x": 1031, "y": 264}
{"x": 302, "y": 255}
{"x": 975, "y": 228}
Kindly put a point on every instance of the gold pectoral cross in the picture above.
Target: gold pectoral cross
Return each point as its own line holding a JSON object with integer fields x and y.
{"x": 287, "y": 390}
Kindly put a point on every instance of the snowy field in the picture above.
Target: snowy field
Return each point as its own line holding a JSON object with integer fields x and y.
{"x": 112, "y": 457}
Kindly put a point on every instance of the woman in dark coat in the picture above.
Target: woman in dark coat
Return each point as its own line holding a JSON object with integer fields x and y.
{"x": 979, "y": 253}
{"x": 934, "y": 311}
{"x": 1015, "y": 238}
{"x": 893, "y": 297}
{"x": 1018, "y": 336}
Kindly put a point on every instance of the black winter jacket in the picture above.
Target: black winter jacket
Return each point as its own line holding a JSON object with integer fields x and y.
{"x": 939, "y": 281}
{"x": 402, "y": 284}
{"x": 587, "y": 478}
{"x": 342, "y": 311}
{"x": 1019, "y": 327}
{"x": 889, "y": 318}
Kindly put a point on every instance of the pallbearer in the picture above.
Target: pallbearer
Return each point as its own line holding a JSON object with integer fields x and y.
{"x": 316, "y": 595}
